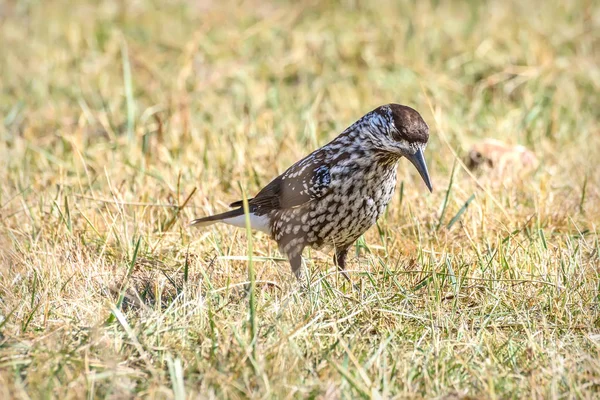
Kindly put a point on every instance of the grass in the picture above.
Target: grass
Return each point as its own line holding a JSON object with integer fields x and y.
{"x": 123, "y": 120}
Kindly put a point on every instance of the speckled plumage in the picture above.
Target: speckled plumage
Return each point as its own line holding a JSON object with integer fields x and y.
{"x": 333, "y": 195}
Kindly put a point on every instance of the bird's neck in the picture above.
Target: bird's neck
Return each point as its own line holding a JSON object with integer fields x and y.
{"x": 351, "y": 148}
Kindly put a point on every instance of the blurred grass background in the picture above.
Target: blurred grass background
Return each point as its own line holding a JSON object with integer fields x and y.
{"x": 122, "y": 120}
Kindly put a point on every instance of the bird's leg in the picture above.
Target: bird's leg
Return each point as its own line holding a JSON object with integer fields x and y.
{"x": 339, "y": 259}
{"x": 296, "y": 264}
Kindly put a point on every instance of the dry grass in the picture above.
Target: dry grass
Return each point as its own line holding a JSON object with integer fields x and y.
{"x": 113, "y": 114}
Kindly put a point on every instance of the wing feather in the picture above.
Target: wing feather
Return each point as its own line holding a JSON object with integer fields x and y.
{"x": 307, "y": 180}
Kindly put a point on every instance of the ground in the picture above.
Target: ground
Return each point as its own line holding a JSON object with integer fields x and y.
{"x": 123, "y": 120}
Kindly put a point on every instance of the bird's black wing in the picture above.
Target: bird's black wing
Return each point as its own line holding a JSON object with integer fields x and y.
{"x": 304, "y": 181}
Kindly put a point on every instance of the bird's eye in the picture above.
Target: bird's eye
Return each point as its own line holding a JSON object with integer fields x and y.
{"x": 399, "y": 135}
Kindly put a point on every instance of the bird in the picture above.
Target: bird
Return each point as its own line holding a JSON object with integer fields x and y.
{"x": 336, "y": 193}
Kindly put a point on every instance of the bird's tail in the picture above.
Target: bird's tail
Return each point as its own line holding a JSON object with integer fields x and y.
{"x": 206, "y": 221}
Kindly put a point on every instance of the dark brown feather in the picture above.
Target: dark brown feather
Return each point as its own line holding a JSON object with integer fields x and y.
{"x": 304, "y": 181}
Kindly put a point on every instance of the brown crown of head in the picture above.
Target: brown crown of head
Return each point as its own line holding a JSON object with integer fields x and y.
{"x": 409, "y": 124}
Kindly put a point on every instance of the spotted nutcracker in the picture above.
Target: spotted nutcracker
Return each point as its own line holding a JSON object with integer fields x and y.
{"x": 333, "y": 195}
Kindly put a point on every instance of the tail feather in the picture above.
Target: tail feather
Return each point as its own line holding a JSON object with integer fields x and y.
{"x": 238, "y": 203}
{"x": 212, "y": 219}
{"x": 236, "y": 218}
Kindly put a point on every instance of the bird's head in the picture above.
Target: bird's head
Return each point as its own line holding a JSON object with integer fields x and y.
{"x": 400, "y": 130}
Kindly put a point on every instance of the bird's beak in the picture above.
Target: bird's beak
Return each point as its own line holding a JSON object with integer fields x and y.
{"x": 418, "y": 160}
